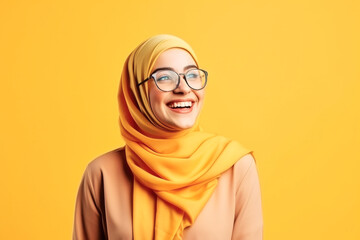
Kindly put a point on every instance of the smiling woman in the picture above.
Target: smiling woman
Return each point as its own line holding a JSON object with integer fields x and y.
{"x": 171, "y": 180}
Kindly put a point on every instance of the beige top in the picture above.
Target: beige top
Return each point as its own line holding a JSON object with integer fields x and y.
{"x": 104, "y": 203}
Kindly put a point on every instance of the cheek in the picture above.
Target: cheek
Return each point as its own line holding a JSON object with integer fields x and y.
{"x": 154, "y": 102}
{"x": 201, "y": 96}
{"x": 156, "y": 98}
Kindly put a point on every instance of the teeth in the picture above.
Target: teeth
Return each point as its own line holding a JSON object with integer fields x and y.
{"x": 180, "y": 104}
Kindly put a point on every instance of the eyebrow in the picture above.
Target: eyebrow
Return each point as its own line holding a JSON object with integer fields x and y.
{"x": 169, "y": 68}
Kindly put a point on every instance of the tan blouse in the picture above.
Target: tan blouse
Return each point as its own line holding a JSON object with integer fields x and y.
{"x": 104, "y": 203}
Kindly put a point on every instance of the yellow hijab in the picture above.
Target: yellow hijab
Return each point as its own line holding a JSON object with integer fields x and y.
{"x": 175, "y": 172}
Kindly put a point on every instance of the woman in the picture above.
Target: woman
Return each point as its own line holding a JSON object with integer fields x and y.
{"x": 171, "y": 180}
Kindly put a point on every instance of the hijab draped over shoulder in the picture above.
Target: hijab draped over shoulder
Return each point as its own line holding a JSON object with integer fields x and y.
{"x": 175, "y": 172}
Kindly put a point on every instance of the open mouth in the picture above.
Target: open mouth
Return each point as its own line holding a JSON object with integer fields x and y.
{"x": 182, "y": 107}
{"x": 177, "y": 105}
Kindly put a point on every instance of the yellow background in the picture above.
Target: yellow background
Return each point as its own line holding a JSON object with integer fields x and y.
{"x": 283, "y": 80}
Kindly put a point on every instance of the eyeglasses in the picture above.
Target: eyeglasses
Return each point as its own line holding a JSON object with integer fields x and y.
{"x": 169, "y": 80}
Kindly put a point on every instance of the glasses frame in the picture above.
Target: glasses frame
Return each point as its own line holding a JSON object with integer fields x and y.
{"x": 178, "y": 82}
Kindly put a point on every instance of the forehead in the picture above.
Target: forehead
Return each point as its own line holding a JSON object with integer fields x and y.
{"x": 175, "y": 58}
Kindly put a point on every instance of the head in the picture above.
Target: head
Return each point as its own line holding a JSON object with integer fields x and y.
{"x": 143, "y": 103}
{"x": 179, "y": 108}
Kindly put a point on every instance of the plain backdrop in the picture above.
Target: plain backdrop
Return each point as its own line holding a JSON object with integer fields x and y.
{"x": 283, "y": 80}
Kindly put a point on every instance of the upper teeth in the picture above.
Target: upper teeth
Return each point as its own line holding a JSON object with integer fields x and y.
{"x": 180, "y": 104}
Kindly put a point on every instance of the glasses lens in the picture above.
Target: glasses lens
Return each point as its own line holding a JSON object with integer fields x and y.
{"x": 196, "y": 78}
{"x": 166, "y": 80}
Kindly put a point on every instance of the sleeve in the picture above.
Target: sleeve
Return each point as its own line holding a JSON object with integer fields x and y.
{"x": 88, "y": 218}
{"x": 248, "y": 224}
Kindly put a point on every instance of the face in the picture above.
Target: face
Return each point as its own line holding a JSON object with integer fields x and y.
{"x": 167, "y": 105}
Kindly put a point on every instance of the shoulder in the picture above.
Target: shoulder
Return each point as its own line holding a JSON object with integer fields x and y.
{"x": 109, "y": 158}
{"x": 241, "y": 168}
{"x": 245, "y": 162}
{"x": 245, "y": 168}
{"x": 106, "y": 162}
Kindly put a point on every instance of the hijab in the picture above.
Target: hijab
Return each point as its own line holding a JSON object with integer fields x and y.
{"x": 175, "y": 172}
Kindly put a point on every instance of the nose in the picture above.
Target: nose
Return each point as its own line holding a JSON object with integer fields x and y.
{"x": 183, "y": 87}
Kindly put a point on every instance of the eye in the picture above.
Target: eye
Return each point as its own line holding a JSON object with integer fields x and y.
{"x": 192, "y": 74}
{"x": 163, "y": 78}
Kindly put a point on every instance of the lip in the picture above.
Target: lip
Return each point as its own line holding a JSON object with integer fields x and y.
{"x": 181, "y": 100}
{"x": 182, "y": 110}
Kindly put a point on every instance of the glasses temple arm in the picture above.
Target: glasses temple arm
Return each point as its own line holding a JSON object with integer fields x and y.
{"x": 144, "y": 81}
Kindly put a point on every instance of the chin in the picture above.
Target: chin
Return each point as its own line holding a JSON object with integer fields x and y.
{"x": 182, "y": 125}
